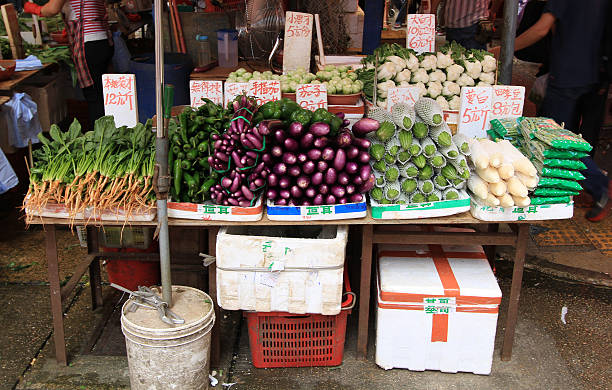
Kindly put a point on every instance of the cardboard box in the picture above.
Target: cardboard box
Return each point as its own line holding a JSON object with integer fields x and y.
{"x": 50, "y": 100}
{"x": 354, "y": 21}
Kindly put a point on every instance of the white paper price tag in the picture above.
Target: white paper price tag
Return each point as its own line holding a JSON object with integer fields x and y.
{"x": 311, "y": 96}
{"x": 474, "y": 111}
{"x": 408, "y": 95}
{"x": 421, "y": 32}
{"x": 264, "y": 90}
{"x": 120, "y": 98}
{"x": 508, "y": 101}
{"x": 209, "y": 89}
{"x": 231, "y": 90}
{"x": 298, "y": 38}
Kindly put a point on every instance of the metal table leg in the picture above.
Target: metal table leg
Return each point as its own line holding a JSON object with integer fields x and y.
{"x": 56, "y": 298}
{"x": 515, "y": 290}
{"x": 215, "y": 349}
{"x": 364, "y": 290}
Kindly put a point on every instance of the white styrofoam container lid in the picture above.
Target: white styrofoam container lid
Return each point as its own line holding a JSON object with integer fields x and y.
{"x": 418, "y": 275}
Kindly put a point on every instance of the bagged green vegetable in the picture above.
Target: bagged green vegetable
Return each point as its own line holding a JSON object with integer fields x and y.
{"x": 564, "y": 163}
{"x": 549, "y": 132}
{"x": 559, "y": 183}
{"x": 504, "y": 127}
{"x": 537, "y": 200}
{"x": 545, "y": 191}
{"x": 561, "y": 173}
{"x": 556, "y": 153}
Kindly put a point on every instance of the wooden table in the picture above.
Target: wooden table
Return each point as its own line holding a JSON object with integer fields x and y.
{"x": 218, "y": 73}
{"x": 8, "y": 86}
{"x": 373, "y": 232}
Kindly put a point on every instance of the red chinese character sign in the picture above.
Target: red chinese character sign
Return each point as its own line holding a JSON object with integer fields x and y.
{"x": 311, "y": 96}
{"x": 120, "y": 98}
{"x": 408, "y": 95}
{"x": 508, "y": 101}
{"x": 231, "y": 90}
{"x": 421, "y": 32}
{"x": 475, "y": 110}
{"x": 209, "y": 89}
{"x": 264, "y": 90}
{"x": 298, "y": 38}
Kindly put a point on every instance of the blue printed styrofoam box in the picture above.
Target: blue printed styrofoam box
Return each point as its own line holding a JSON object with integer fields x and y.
{"x": 317, "y": 213}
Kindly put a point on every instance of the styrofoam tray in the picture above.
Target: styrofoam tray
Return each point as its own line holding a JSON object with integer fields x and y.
{"x": 213, "y": 212}
{"x": 529, "y": 213}
{"x": 421, "y": 210}
{"x": 52, "y": 210}
{"x": 317, "y": 213}
{"x": 118, "y": 214}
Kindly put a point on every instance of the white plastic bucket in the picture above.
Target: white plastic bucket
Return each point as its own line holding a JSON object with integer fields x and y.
{"x": 163, "y": 356}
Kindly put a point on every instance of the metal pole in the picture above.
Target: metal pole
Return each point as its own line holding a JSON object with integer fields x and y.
{"x": 507, "y": 44}
{"x": 161, "y": 159}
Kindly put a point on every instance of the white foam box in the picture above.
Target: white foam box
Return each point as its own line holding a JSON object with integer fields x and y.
{"x": 317, "y": 213}
{"x": 295, "y": 269}
{"x": 436, "y": 309}
{"x": 421, "y": 210}
{"x": 212, "y": 212}
{"x": 528, "y": 213}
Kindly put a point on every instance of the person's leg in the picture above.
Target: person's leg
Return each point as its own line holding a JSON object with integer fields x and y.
{"x": 98, "y": 55}
{"x": 465, "y": 36}
{"x": 592, "y": 109}
{"x": 598, "y": 186}
{"x": 403, "y": 11}
{"x": 561, "y": 105}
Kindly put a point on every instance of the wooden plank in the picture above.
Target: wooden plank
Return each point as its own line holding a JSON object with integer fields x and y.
{"x": 218, "y": 73}
{"x": 79, "y": 271}
{"x": 9, "y": 16}
{"x": 364, "y": 290}
{"x": 7, "y": 86}
{"x": 215, "y": 348}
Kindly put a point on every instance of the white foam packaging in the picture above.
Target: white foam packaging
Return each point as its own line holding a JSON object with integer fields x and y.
{"x": 437, "y": 308}
{"x": 295, "y": 269}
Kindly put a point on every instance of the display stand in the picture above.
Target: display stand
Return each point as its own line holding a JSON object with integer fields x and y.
{"x": 373, "y": 232}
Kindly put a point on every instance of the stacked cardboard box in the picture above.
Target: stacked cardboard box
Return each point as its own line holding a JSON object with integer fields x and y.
{"x": 353, "y": 19}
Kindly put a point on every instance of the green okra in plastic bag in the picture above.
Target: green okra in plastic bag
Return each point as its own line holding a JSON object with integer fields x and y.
{"x": 537, "y": 200}
{"x": 564, "y": 163}
{"x": 546, "y": 192}
{"x": 559, "y": 183}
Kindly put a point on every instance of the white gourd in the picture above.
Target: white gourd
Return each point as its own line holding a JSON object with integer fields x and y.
{"x": 478, "y": 186}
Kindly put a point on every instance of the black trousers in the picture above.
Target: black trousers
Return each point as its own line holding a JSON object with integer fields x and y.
{"x": 98, "y": 55}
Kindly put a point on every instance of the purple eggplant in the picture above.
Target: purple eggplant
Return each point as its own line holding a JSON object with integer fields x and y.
{"x": 340, "y": 115}
{"x": 296, "y": 192}
{"x": 319, "y": 129}
{"x": 330, "y": 176}
{"x": 317, "y": 178}
{"x": 356, "y": 198}
{"x": 346, "y": 122}
{"x": 314, "y": 154}
{"x": 340, "y": 159}
{"x": 294, "y": 171}
{"x": 320, "y": 142}
{"x": 342, "y": 201}
{"x": 276, "y": 151}
{"x": 343, "y": 178}
{"x": 307, "y": 140}
{"x": 280, "y": 169}
{"x": 308, "y": 167}
{"x": 291, "y": 144}
{"x": 310, "y": 192}
{"x": 344, "y": 139}
{"x": 273, "y": 180}
{"x": 285, "y": 194}
{"x": 322, "y": 166}
{"x": 266, "y": 158}
{"x": 364, "y": 172}
{"x": 330, "y": 199}
{"x": 338, "y": 191}
{"x": 303, "y": 181}
{"x": 279, "y": 136}
{"x": 362, "y": 143}
{"x": 295, "y": 129}
{"x": 281, "y": 202}
{"x": 365, "y": 126}
{"x": 318, "y": 200}
{"x": 350, "y": 189}
{"x": 226, "y": 182}
{"x": 351, "y": 167}
{"x": 284, "y": 182}
{"x": 232, "y": 201}
{"x": 328, "y": 154}
{"x": 356, "y": 180}
{"x": 368, "y": 184}
{"x": 289, "y": 158}
{"x": 306, "y": 203}
{"x": 364, "y": 157}
{"x": 247, "y": 193}
{"x": 352, "y": 152}
{"x": 323, "y": 189}
{"x": 302, "y": 158}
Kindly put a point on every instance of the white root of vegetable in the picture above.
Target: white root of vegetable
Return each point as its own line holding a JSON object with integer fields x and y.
{"x": 478, "y": 186}
{"x": 479, "y": 156}
{"x": 489, "y": 174}
{"x": 506, "y": 200}
{"x": 523, "y": 201}
{"x": 506, "y": 170}
{"x": 495, "y": 155}
{"x": 519, "y": 161}
{"x": 498, "y": 189}
{"x": 492, "y": 200}
{"x": 530, "y": 182}
{"x": 516, "y": 187}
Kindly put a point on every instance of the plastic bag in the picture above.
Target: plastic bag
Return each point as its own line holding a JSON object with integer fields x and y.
{"x": 564, "y": 163}
{"x": 22, "y": 120}
{"x": 8, "y": 178}
{"x": 549, "y": 132}
{"x": 560, "y": 173}
{"x": 546, "y": 192}
{"x": 559, "y": 183}
{"x": 505, "y": 127}
{"x": 537, "y": 200}
{"x": 121, "y": 56}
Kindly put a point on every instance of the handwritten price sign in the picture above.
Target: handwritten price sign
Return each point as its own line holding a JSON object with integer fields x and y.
{"x": 119, "y": 92}
{"x": 408, "y": 95}
{"x": 231, "y": 90}
{"x": 298, "y": 38}
{"x": 474, "y": 111}
{"x": 264, "y": 90}
{"x": 508, "y": 101}
{"x": 421, "y": 32}
{"x": 209, "y": 89}
{"x": 311, "y": 96}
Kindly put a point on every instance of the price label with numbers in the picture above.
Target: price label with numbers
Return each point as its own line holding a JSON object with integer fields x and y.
{"x": 474, "y": 111}
{"x": 120, "y": 98}
{"x": 209, "y": 89}
{"x": 421, "y": 32}
{"x": 508, "y": 101}
{"x": 231, "y": 90}
{"x": 408, "y": 95}
{"x": 298, "y": 38}
{"x": 264, "y": 90}
{"x": 311, "y": 96}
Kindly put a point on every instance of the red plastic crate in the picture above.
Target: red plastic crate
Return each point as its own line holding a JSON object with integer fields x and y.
{"x": 279, "y": 339}
{"x": 228, "y": 5}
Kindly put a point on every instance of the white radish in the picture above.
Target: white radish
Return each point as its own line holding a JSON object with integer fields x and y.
{"x": 506, "y": 200}
{"x": 519, "y": 161}
{"x": 479, "y": 156}
{"x": 516, "y": 187}
{"x": 478, "y": 186}
{"x": 521, "y": 201}
{"x": 489, "y": 174}
{"x": 491, "y": 200}
{"x": 498, "y": 189}
{"x": 530, "y": 182}
{"x": 506, "y": 170}
{"x": 495, "y": 155}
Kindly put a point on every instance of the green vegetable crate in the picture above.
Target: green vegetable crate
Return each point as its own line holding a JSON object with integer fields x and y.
{"x": 528, "y": 213}
{"x": 421, "y": 210}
